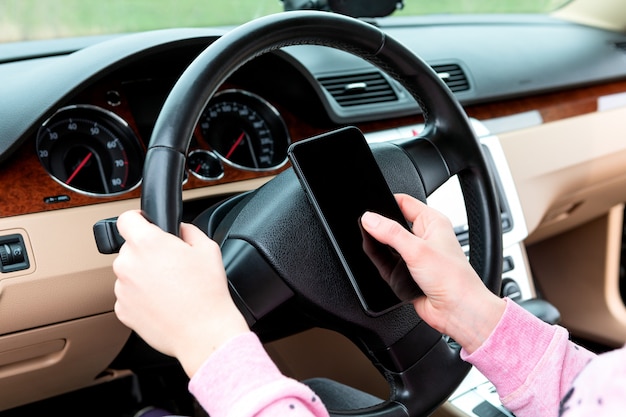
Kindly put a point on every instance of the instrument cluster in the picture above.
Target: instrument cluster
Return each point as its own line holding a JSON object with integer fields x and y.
{"x": 93, "y": 151}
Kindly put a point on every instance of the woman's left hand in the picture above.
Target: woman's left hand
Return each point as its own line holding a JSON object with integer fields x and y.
{"x": 173, "y": 291}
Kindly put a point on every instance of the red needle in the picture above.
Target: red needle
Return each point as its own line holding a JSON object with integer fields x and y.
{"x": 79, "y": 167}
{"x": 237, "y": 142}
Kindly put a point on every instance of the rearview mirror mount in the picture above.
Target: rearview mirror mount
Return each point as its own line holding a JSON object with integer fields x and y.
{"x": 354, "y": 8}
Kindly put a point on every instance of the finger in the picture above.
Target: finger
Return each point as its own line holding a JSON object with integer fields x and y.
{"x": 139, "y": 232}
{"x": 413, "y": 210}
{"x": 129, "y": 221}
{"x": 197, "y": 239}
{"x": 373, "y": 249}
{"x": 420, "y": 215}
{"x": 390, "y": 233}
{"x": 117, "y": 308}
{"x": 192, "y": 234}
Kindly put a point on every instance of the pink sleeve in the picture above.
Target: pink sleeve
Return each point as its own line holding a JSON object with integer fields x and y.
{"x": 532, "y": 364}
{"x": 600, "y": 389}
{"x": 240, "y": 379}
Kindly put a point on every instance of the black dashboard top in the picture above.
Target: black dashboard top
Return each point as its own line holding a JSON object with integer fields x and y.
{"x": 505, "y": 58}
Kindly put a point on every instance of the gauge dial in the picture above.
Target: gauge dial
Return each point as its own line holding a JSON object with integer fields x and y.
{"x": 245, "y": 130}
{"x": 90, "y": 150}
{"x": 205, "y": 165}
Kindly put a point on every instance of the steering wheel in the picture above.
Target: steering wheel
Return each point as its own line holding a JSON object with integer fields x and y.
{"x": 276, "y": 254}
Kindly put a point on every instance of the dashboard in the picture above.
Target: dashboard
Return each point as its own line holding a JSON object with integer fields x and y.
{"x": 116, "y": 87}
{"x": 98, "y": 120}
{"x": 93, "y": 146}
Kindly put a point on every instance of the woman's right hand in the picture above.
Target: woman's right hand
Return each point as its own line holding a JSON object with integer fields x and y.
{"x": 456, "y": 302}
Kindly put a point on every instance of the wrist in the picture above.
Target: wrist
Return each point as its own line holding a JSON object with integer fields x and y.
{"x": 476, "y": 320}
{"x": 202, "y": 341}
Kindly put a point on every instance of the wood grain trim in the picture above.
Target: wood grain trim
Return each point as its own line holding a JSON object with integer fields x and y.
{"x": 552, "y": 106}
{"x": 25, "y": 184}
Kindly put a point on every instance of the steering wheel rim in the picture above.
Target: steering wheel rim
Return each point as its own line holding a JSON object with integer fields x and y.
{"x": 447, "y": 146}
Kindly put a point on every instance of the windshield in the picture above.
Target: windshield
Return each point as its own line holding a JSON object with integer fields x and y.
{"x": 45, "y": 19}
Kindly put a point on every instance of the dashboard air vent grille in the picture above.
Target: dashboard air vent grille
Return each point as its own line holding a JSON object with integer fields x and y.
{"x": 359, "y": 89}
{"x": 453, "y": 76}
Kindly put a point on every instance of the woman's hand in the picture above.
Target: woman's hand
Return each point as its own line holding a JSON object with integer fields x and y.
{"x": 456, "y": 302}
{"x": 173, "y": 292}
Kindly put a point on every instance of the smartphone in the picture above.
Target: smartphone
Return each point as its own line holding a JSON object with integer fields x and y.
{"x": 342, "y": 180}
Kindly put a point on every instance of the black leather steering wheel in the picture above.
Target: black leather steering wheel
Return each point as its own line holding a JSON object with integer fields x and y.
{"x": 276, "y": 255}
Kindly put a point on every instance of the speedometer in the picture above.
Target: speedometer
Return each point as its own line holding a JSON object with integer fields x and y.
{"x": 245, "y": 130}
{"x": 90, "y": 150}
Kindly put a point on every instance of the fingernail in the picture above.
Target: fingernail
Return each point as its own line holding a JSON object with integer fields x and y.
{"x": 370, "y": 219}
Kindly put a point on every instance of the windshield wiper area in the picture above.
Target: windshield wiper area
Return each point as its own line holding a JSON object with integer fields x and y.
{"x": 354, "y": 8}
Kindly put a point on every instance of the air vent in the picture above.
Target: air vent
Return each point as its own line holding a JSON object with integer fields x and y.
{"x": 359, "y": 89}
{"x": 453, "y": 76}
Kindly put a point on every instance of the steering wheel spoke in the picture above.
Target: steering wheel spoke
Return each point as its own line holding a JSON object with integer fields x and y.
{"x": 431, "y": 165}
{"x": 406, "y": 352}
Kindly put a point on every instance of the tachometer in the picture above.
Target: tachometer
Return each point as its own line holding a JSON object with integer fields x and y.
{"x": 90, "y": 150}
{"x": 245, "y": 130}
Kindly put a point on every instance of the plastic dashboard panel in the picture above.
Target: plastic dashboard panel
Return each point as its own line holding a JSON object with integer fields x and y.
{"x": 553, "y": 55}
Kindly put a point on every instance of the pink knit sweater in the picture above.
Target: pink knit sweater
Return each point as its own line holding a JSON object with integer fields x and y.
{"x": 534, "y": 366}
{"x": 539, "y": 372}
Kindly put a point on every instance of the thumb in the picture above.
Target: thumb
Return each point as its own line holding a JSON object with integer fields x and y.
{"x": 192, "y": 235}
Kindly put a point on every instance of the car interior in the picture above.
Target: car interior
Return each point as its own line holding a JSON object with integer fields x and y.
{"x": 512, "y": 125}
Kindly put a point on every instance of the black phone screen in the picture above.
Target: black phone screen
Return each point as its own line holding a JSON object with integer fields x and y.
{"x": 342, "y": 180}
